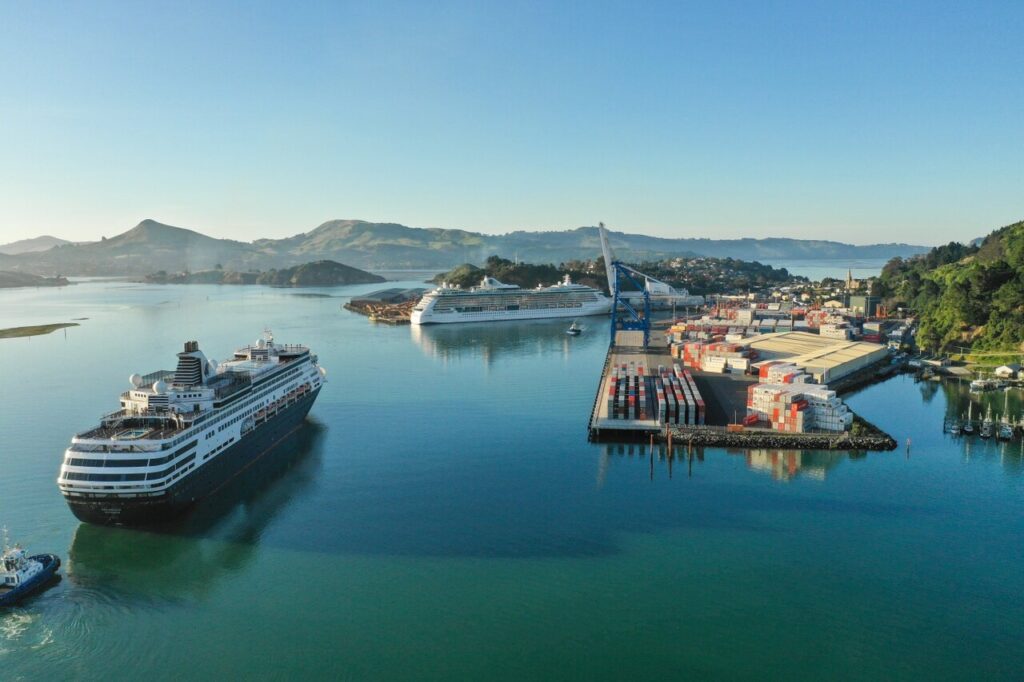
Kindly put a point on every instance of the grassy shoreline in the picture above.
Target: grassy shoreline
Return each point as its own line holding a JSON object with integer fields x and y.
{"x": 34, "y": 330}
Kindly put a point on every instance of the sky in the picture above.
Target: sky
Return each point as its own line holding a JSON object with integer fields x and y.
{"x": 861, "y": 122}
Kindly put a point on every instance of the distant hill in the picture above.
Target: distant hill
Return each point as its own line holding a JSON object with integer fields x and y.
{"x": 31, "y": 245}
{"x": 324, "y": 273}
{"x": 151, "y": 246}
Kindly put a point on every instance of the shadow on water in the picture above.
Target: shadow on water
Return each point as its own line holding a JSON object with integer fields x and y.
{"x": 524, "y": 513}
{"x": 218, "y": 537}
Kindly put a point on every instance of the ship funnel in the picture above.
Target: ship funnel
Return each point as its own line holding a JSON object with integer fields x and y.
{"x": 192, "y": 369}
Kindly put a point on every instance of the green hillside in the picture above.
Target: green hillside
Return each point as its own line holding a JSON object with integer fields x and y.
{"x": 966, "y": 295}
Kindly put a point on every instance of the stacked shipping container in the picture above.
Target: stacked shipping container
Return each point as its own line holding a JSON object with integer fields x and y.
{"x": 712, "y": 357}
{"x": 627, "y": 392}
{"x": 676, "y": 397}
{"x": 797, "y": 407}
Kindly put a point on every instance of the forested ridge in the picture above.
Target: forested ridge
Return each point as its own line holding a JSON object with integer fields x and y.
{"x": 965, "y": 294}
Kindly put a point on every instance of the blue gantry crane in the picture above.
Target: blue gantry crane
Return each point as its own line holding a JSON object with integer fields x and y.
{"x": 625, "y": 316}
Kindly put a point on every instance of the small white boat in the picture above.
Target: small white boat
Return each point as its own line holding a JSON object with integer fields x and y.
{"x": 981, "y": 385}
{"x": 574, "y": 329}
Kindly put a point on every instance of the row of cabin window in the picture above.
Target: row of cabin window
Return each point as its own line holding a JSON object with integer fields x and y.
{"x": 152, "y": 476}
{"x": 263, "y": 390}
{"x": 75, "y": 462}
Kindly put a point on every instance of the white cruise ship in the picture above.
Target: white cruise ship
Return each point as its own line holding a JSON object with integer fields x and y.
{"x": 180, "y": 435}
{"x": 493, "y": 301}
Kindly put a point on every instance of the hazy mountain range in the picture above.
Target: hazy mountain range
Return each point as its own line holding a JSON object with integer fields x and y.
{"x": 34, "y": 244}
{"x": 151, "y": 246}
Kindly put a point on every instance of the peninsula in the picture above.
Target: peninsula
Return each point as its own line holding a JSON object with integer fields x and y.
{"x": 322, "y": 273}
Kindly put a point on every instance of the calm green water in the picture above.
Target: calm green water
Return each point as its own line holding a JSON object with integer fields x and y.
{"x": 441, "y": 516}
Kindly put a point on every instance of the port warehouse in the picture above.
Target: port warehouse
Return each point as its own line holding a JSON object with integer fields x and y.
{"x": 824, "y": 359}
{"x": 721, "y": 383}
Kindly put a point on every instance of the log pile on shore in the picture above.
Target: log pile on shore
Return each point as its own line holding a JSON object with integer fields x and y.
{"x": 388, "y": 313}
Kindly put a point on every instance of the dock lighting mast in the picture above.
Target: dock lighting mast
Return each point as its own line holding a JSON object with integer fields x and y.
{"x": 624, "y": 316}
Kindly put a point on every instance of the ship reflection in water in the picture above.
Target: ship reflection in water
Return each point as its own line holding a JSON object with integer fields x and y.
{"x": 781, "y": 465}
{"x": 218, "y": 537}
{"x": 491, "y": 340}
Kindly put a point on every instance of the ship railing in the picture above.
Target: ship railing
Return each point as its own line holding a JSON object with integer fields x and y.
{"x": 151, "y": 413}
{"x": 162, "y": 413}
{"x": 279, "y": 347}
{"x": 121, "y": 448}
{"x": 167, "y": 428}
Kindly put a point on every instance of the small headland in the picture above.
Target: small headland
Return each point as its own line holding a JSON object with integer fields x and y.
{"x": 322, "y": 273}
{"x": 34, "y": 330}
{"x": 13, "y": 280}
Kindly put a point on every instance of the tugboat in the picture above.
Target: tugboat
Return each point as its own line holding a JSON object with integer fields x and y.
{"x": 21, "y": 574}
{"x": 574, "y": 329}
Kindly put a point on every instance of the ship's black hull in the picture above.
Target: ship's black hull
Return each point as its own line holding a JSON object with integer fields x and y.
{"x": 204, "y": 481}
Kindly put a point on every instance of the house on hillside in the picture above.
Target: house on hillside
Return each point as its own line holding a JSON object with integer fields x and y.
{"x": 1007, "y": 371}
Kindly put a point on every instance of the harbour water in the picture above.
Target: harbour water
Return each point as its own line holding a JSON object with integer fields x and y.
{"x": 441, "y": 515}
{"x": 816, "y": 270}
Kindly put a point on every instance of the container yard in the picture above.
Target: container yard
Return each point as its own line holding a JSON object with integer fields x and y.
{"x": 747, "y": 377}
{"x": 762, "y": 391}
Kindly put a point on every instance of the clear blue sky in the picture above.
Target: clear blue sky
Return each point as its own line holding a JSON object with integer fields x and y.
{"x": 855, "y": 121}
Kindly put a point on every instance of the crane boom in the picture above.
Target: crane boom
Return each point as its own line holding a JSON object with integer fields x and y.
{"x": 606, "y": 251}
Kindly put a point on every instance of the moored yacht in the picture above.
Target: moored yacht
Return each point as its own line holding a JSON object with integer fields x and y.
{"x": 987, "y": 424}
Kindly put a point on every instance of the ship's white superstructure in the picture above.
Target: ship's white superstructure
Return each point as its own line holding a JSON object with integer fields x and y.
{"x": 174, "y": 426}
{"x": 494, "y": 301}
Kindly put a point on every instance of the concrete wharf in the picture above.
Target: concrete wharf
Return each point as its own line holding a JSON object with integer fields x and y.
{"x": 725, "y": 399}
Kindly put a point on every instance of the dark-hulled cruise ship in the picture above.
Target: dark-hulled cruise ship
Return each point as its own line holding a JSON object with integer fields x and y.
{"x": 180, "y": 435}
